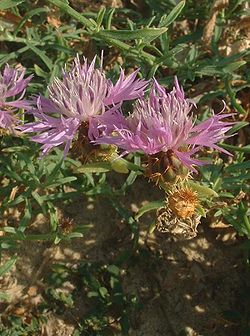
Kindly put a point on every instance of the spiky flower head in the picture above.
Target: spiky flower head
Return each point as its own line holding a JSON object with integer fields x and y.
{"x": 163, "y": 123}
{"x": 183, "y": 202}
{"x": 12, "y": 85}
{"x": 74, "y": 101}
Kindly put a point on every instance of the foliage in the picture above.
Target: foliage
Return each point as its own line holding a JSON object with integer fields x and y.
{"x": 43, "y": 37}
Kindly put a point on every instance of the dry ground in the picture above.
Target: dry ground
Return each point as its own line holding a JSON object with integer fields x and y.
{"x": 184, "y": 285}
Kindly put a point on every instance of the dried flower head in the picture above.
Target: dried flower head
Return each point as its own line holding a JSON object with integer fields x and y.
{"x": 163, "y": 124}
{"x": 182, "y": 228}
{"x": 12, "y": 84}
{"x": 75, "y": 101}
{"x": 183, "y": 202}
{"x": 180, "y": 215}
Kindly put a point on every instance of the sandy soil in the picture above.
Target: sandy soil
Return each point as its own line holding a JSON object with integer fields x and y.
{"x": 183, "y": 285}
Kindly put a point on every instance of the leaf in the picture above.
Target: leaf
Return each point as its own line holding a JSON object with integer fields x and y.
{"x": 152, "y": 227}
{"x": 149, "y": 207}
{"x": 7, "y": 266}
{"x": 237, "y": 127}
{"x": 26, "y": 217}
{"x": 146, "y": 34}
{"x": 100, "y": 17}
{"x": 119, "y": 166}
{"x": 113, "y": 269}
{"x": 175, "y": 12}
{"x": 28, "y": 15}
{"x": 203, "y": 191}
{"x": 9, "y": 229}
{"x": 73, "y": 13}
{"x": 41, "y": 54}
{"x": 5, "y": 4}
{"x": 97, "y": 167}
{"x": 238, "y": 166}
{"x": 4, "y": 297}
{"x": 209, "y": 70}
{"x": 123, "y": 166}
{"x": 245, "y": 149}
{"x": 15, "y": 149}
{"x": 40, "y": 72}
{"x": 230, "y": 68}
{"x": 103, "y": 291}
{"x": 62, "y": 181}
{"x": 53, "y": 216}
{"x": 74, "y": 235}
{"x": 201, "y": 211}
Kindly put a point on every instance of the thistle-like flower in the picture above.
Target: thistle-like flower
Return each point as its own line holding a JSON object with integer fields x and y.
{"x": 12, "y": 84}
{"x": 162, "y": 127}
{"x": 75, "y": 101}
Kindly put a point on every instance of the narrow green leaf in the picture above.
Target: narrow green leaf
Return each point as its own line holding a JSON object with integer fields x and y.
{"x": 103, "y": 291}
{"x": 232, "y": 96}
{"x": 97, "y": 167}
{"x": 9, "y": 229}
{"x": 201, "y": 211}
{"x": 113, "y": 269}
{"x": 203, "y": 191}
{"x": 238, "y": 166}
{"x": 70, "y": 11}
{"x": 53, "y": 216}
{"x": 74, "y": 235}
{"x": 146, "y": 34}
{"x": 166, "y": 21}
{"x": 62, "y": 181}
{"x": 26, "y": 217}
{"x": 119, "y": 166}
{"x": 5, "y": 4}
{"x": 238, "y": 126}
{"x": 100, "y": 17}
{"x": 109, "y": 18}
{"x": 149, "y": 207}
{"x": 46, "y": 60}
{"x": 40, "y": 72}
{"x": 28, "y": 15}
{"x": 230, "y": 68}
{"x": 4, "y": 297}
{"x": 7, "y": 266}
{"x": 245, "y": 149}
{"x": 40, "y": 201}
{"x": 152, "y": 227}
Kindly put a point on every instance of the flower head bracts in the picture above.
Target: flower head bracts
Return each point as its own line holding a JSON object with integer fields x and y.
{"x": 83, "y": 93}
{"x": 12, "y": 84}
{"x": 162, "y": 123}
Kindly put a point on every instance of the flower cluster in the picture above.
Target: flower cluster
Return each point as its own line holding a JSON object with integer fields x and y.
{"x": 12, "y": 85}
{"x": 75, "y": 101}
{"x": 86, "y": 105}
{"x": 163, "y": 123}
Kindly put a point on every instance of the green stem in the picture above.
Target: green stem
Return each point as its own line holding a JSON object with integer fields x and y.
{"x": 30, "y": 237}
{"x": 232, "y": 96}
{"x": 73, "y": 13}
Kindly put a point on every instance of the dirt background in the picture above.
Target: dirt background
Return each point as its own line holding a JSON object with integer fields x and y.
{"x": 183, "y": 285}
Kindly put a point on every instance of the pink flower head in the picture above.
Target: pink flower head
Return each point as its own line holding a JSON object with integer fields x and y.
{"x": 12, "y": 84}
{"x": 163, "y": 123}
{"x": 83, "y": 93}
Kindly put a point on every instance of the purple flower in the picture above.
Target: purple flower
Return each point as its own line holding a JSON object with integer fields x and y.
{"x": 83, "y": 93}
{"x": 163, "y": 123}
{"x": 12, "y": 84}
